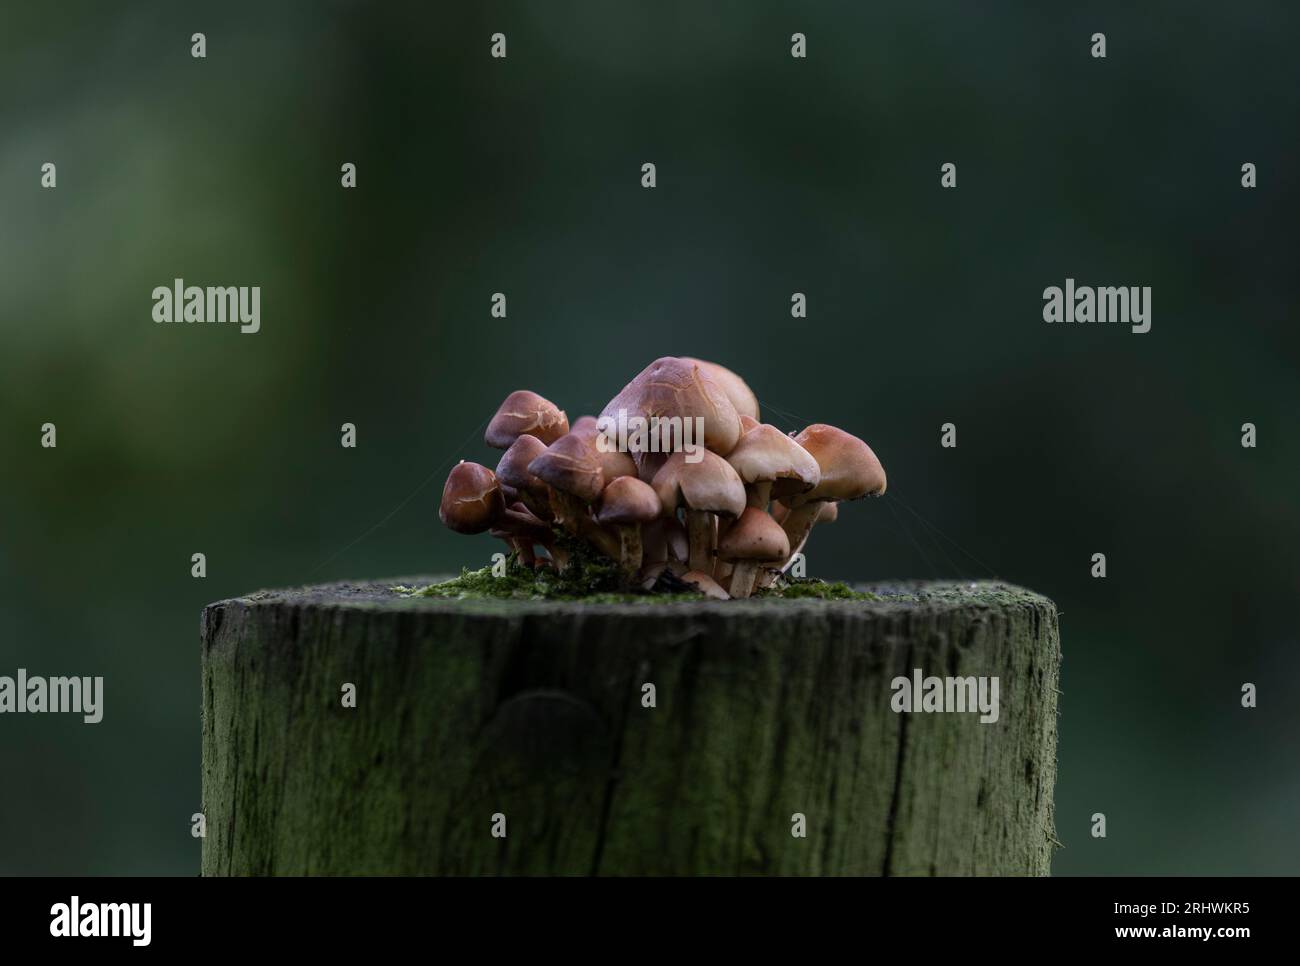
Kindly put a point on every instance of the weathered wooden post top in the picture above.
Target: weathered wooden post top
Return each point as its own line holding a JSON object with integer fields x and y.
{"x": 348, "y": 729}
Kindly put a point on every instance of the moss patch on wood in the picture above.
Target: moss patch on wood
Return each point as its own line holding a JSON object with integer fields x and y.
{"x": 589, "y": 577}
{"x": 802, "y": 587}
{"x": 595, "y": 580}
{"x": 524, "y": 583}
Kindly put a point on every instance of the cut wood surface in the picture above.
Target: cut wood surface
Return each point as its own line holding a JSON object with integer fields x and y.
{"x": 474, "y": 713}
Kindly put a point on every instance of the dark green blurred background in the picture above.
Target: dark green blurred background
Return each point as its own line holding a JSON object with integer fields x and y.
{"x": 775, "y": 176}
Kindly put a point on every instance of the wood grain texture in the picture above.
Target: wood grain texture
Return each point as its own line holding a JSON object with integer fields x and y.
{"x": 534, "y": 710}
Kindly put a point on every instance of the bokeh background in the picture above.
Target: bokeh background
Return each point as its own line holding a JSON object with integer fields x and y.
{"x": 775, "y": 175}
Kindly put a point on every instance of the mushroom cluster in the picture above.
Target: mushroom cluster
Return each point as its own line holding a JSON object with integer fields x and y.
{"x": 726, "y": 515}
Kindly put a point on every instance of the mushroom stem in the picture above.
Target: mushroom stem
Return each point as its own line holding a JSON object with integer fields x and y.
{"x": 742, "y": 578}
{"x": 600, "y": 538}
{"x": 798, "y": 523}
{"x": 538, "y": 504}
{"x": 675, "y": 540}
{"x": 798, "y": 549}
{"x": 654, "y": 543}
{"x": 630, "y": 553}
{"x": 571, "y": 513}
{"x": 699, "y": 527}
{"x": 511, "y": 544}
{"x": 568, "y": 510}
{"x": 759, "y": 494}
{"x": 525, "y": 548}
{"x": 722, "y": 568}
{"x": 559, "y": 556}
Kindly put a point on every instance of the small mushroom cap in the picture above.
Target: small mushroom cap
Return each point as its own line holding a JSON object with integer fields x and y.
{"x": 677, "y": 387}
{"x": 512, "y": 469}
{"x": 615, "y": 464}
{"x": 767, "y": 454}
{"x": 570, "y": 465}
{"x": 471, "y": 499}
{"x": 524, "y": 413}
{"x": 850, "y": 469}
{"x": 627, "y": 501}
{"x": 711, "y": 484}
{"x": 737, "y": 390}
{"x": 754, "y": 536}
{"x": 705, "y": 584}
{"x": 612, "y": 463}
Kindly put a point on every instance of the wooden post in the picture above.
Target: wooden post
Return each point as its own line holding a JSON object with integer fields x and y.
{"x": 530, "y": 717}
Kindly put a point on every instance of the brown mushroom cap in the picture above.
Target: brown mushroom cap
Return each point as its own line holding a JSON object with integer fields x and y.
{"x": 711, "y": 484}
{"x": 627, "y": 501}
{"x": 849, "y": 468}
{"x": 705, "y": 584}
{"x": 524, "y": 413}
{"x": 767, "y": 454}
{"x": 612, "y": 463}
{"x": 737, "y": 390}
{"x": 471, "y": 499}
{"x": 754, "y": 536}
{"x": 676, "y": 387}
{"x": 570, "y": 464}
{"x": 512, "y": 469}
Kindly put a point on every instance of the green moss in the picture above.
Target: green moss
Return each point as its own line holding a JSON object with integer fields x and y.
{"x": 523, "y": 583}
{"x": 812, "y": 587}
{"x": 589, "y": 577}
{"x": 594, "y": 579}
